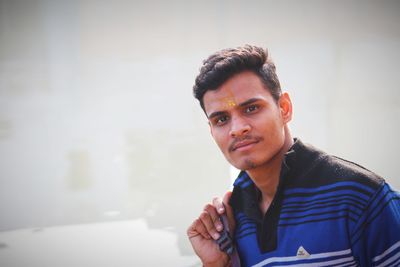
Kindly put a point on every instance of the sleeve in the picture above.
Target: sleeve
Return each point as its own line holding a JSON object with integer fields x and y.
{"x": 375, "y": 239}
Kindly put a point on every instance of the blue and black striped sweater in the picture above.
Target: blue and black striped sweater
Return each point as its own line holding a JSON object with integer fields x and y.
{"x": 327, "y": 212}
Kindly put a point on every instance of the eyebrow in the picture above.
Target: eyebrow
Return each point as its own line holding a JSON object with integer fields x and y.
{"x": 248, "y": 102}
{"x": 216, "y": 114}
{"x": 243, "y": 104}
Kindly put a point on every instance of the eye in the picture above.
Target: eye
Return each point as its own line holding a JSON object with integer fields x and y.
{"x": 220, "y": 120}
{"x": 251, "y": 109}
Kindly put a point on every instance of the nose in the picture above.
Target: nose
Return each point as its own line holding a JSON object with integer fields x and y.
{"x": 239, "y": 127}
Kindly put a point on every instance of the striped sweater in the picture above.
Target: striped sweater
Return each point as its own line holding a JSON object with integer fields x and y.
{"x": 326, "y": 212}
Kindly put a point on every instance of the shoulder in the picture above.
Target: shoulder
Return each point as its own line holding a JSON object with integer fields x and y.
{"x": 314, "y": 167}
{"x": 338, "y": 169}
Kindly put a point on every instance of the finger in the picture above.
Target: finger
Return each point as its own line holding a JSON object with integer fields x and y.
{"x": 207, "y": 221}
{"x": 214, "y": 216}
{"x": 219, "y": 205}
{"x": 197, "y": 228}
{"x": 229, "y": 210}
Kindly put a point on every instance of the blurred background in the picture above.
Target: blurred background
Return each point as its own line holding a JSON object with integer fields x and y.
{"x": 105, "y": 156}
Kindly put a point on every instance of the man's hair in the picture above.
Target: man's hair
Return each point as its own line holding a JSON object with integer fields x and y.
{"x": 224, "y": 64}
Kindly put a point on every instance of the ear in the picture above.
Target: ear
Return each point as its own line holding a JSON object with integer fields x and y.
{"x": 286, "y": 108}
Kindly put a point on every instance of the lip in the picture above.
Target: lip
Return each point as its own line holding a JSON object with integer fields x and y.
{"x": 244, "y": 145}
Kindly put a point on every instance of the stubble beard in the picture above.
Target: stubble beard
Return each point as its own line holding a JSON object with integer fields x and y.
{"x": 249, "y": 164}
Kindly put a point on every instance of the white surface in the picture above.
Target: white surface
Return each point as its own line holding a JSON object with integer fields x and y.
{"x": 116, "y": 244}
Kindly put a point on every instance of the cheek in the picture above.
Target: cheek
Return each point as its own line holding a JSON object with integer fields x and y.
{"x": 223, "y": 144}
{"x": 271, "y": 130}
{"x": 220, "y": 138}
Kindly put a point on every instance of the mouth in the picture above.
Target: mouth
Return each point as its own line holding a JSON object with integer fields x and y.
{"x": 243, "y": 145}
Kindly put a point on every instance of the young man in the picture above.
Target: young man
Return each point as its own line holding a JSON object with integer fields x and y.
{"x": 292, "y": 204}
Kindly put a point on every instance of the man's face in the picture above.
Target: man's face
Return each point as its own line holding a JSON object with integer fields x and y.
{"x": 246, "y": 122}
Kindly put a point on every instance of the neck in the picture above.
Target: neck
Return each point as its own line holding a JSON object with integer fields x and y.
{"x": 266, "y": 177}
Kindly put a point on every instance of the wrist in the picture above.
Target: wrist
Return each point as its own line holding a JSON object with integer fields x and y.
{"x": 223, "y": 262}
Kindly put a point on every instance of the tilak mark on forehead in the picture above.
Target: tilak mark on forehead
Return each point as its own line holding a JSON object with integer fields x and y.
{"x": 229, "y": 101}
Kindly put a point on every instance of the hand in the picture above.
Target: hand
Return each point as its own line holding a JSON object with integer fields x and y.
{"x": 206, "y": 229}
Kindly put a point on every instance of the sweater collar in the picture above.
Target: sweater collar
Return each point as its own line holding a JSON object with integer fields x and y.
{"x": 246, "y": 195}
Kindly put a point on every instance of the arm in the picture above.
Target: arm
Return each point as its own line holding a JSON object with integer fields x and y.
{"x": 376, "y": 237}
{"x": 206, "y": 229}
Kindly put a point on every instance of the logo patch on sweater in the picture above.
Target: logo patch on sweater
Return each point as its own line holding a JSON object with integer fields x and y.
{"x": 302, "y": 253}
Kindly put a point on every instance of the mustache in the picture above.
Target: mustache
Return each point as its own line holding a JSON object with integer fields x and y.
{"x": 247, "y": 138}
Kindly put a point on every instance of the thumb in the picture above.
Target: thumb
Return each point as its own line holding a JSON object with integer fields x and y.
{"x": 229, "y": 211}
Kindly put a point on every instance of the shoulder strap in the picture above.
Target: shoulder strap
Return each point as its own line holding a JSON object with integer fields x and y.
{"x": 226, "y": 243}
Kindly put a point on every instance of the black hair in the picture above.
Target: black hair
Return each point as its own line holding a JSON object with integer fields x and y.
{"x": 224, "y": 64}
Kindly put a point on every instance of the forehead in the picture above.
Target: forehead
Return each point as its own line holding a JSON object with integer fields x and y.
{"x": 234, "y": 91}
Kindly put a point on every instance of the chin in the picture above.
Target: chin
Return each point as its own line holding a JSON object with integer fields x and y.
{"x": 250, "y": 165}
{"x": 245, "y": 165}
